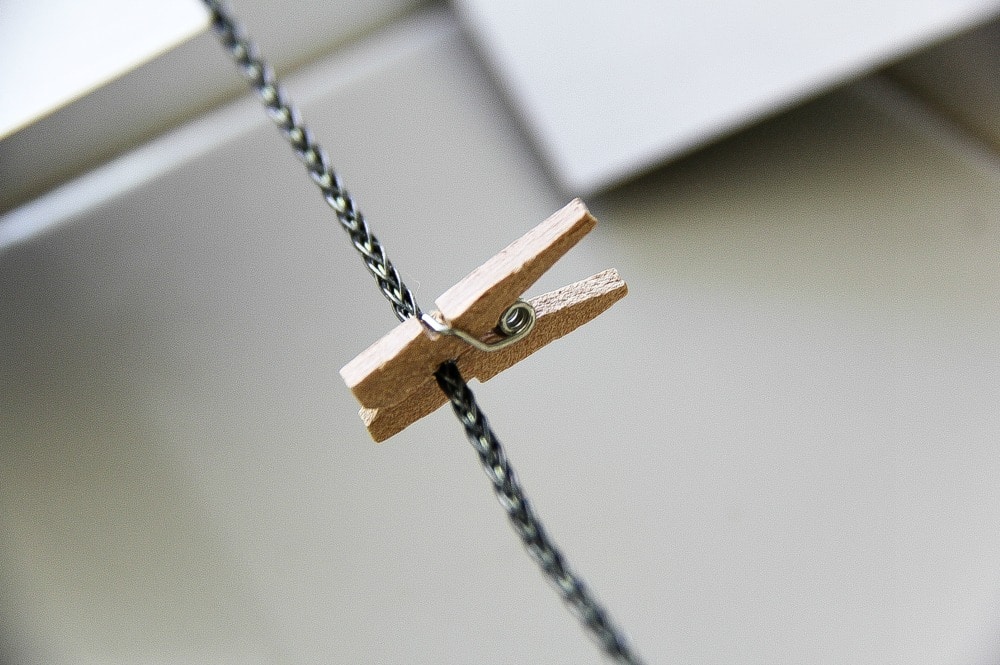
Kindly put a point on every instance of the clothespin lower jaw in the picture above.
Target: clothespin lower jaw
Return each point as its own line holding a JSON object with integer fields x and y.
{"x": 393, "y": 379}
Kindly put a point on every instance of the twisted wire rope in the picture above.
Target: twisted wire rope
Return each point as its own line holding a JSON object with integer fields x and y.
{"x": 526, "y": 524}
{"x": 286, "y": 117}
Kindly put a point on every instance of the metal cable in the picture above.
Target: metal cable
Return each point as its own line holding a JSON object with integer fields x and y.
{"x": 523, "y": 519}
{"x": 264, "y": 84}
{"x": 570, "y": 587}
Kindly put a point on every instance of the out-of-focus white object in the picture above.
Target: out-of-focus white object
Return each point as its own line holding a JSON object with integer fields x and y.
{"x": 116, "y": 112}
{"x": 608, "y": 89}
{"x": 55, "y": 51}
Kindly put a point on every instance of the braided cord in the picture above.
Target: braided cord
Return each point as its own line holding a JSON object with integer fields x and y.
{"x": 263, "y": 83}
{"x": 279, "y": 108}
{"x": 572, "y": 589}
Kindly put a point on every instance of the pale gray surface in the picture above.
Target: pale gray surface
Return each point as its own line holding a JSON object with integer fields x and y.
{"x": 960, "y": 78}
{"x": 161, "y": 94}
{"x": 108, "y": 38}
{"x": 610, "y": 90}
{"x": 780, "y": 448}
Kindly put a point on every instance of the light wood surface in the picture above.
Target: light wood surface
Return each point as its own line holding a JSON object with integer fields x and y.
{"x": 394, "y": 378}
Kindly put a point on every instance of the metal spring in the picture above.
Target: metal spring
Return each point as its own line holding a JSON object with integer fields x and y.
{"x": 514, "y": 325}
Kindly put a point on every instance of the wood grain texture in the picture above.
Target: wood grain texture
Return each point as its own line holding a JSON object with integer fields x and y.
{"x": 559, "y": 312}
{"x": 396, "y": 365}
{"x": 476, "y": 302}
{"x": 394, "y": 378}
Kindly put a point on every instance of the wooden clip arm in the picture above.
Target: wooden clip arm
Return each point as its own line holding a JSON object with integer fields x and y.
{"x": 394, "y": 378}
{"x": 475, "y": 303}
{"x": 558, "y": 313}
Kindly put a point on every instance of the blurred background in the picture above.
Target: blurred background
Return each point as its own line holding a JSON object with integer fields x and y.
{"x": 781, "y": 447}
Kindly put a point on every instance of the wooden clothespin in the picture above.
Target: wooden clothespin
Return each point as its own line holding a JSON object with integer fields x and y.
{"x": 394, "y": 378}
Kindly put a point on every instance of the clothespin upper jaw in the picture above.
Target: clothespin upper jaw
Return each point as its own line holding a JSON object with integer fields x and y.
{"x": 393, "y": 379}
{"x": 477, "y": 301}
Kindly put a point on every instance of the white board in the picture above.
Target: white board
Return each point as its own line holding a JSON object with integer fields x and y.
{"x": 609, "y": 90}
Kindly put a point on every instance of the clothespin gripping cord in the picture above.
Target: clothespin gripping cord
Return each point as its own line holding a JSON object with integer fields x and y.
{"x": 263, "y": 83}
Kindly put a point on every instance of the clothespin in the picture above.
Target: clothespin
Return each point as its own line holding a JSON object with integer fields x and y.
{"x": 481, "y": 324}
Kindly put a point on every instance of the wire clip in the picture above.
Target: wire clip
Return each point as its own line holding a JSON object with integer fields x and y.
{"x": 481, "y": 324}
